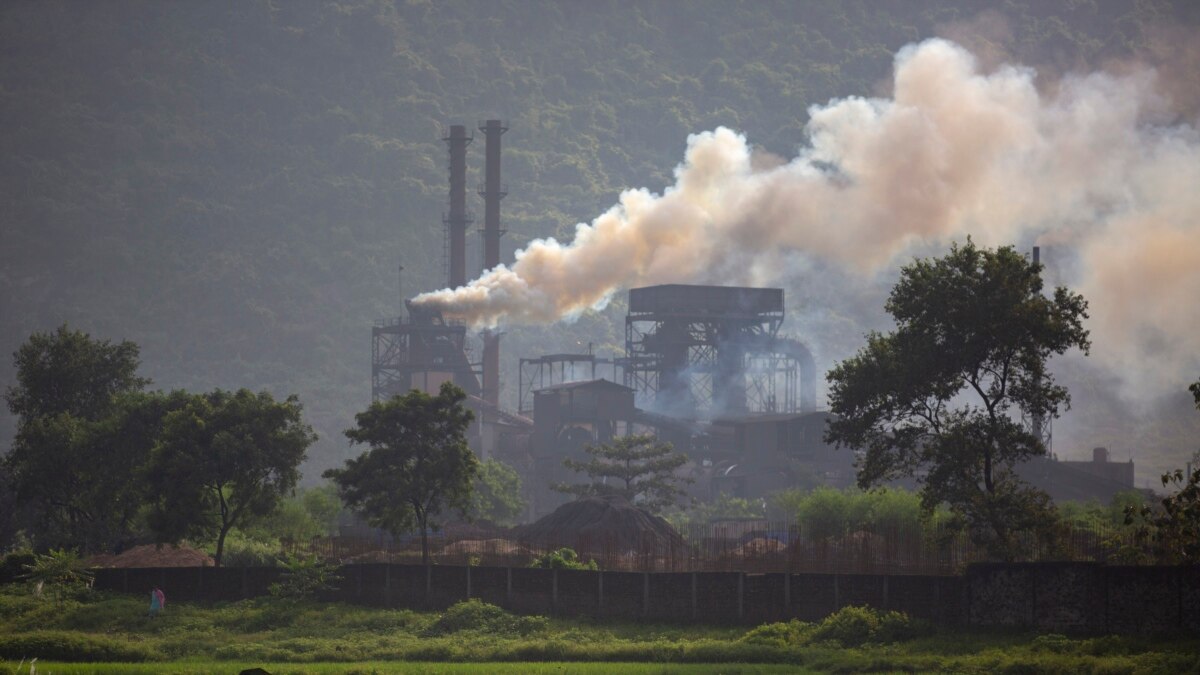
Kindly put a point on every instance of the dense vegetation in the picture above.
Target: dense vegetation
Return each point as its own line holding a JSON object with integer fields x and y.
{"x": 103, "y": 627}
{"x": 232, "y": 186}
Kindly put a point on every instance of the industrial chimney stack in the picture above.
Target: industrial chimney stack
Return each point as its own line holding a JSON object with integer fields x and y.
{"x": 492, "y": 192}
{"x": 458, "y": 218}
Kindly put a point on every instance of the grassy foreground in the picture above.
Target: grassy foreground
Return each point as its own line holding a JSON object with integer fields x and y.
{"x": 424, "y": 668}
{"x": 107, "y": 633}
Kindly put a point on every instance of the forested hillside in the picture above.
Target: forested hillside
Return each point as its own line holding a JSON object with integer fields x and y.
{"x": 232, "y": 185}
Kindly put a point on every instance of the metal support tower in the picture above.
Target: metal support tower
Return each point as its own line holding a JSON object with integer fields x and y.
{"x": 419, "y": 351}
{"x": 705, "y": 351}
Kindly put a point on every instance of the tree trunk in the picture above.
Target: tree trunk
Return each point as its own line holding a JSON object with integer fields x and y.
{"x": 424, "y": 542}
{"x": 220, "y": 545}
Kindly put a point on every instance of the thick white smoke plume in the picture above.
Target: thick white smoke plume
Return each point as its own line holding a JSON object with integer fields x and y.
{"x": 1096, "y": 165}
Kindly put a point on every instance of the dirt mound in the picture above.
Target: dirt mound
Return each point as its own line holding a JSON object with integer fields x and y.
{"x": 151, "y": 555}
{"x": 760, "y": 546}
{"x": 608, "y": 523}
{"x": 491, "y": 546}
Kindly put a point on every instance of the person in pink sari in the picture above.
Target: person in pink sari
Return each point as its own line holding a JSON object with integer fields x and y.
{"x": 157, "y": 601}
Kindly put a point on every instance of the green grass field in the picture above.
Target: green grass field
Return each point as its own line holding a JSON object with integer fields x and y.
{"x": 424, "y": 668}
{"x": 108, "y": 633}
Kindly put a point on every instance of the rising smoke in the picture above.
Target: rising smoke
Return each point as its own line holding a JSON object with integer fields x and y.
{"x": 1096, "y": 164}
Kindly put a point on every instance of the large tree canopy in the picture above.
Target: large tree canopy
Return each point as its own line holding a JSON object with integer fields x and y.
{"x": 84, "y": 427}
{"x": 418, "y": 464}
{"x": 941, "y": 397}
{"x": 68, "y": 371}
{"x": 224, "y": 459}
{"x": 497, "y": 493}
{"x": 639, "y": 468}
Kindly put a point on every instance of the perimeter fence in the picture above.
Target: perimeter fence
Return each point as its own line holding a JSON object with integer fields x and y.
{"x": 744, "y": 546}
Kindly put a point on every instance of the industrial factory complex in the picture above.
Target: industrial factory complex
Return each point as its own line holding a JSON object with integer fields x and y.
{"x": 704, "y": 367}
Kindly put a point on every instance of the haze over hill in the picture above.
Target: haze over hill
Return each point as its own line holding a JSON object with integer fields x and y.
{"x": 233, "y": 186}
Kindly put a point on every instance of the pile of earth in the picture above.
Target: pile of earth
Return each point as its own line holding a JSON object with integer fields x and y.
{"x": 481, "y": 546}
{"x": 608, "y": 523}
{"x": 152, "y": 555}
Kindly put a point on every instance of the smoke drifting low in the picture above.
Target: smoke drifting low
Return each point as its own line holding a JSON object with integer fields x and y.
{"x": 1095, "y": 165}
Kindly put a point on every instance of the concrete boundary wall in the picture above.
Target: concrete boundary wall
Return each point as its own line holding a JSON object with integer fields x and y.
{"x": 1059, "y": 597}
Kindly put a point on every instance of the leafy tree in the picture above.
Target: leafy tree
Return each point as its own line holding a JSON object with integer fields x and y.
{"x": 724, "y": 506}
{"x": 69, "y": 372}
{"x": 1172, "y": 530}
{"x": 828, "y": 512}
{"x": 497, "y": 495}
{"x": 937, "y": 397}
{"x": 418, "y": 463}
{"x": 1174, "y": 527}
{"x": 60, "y": 570}
{"x": 85, "y": 429}
{"x": 641, "y": 469}
{"x": 224, "y": 459}
{"x": 311, "y": 512}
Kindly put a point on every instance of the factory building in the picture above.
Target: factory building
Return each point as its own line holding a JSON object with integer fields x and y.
{"x": 705, "y": 368}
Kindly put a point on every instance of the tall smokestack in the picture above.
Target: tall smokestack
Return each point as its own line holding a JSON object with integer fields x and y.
{"x": 457, "y": 219}
{"x": 493, "y": 191}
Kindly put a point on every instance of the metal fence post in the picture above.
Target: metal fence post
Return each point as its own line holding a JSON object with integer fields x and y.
{"x": 741, "y": 595}
{"x": 694, "y": 603}
{"x": 387, "y": 583}
{"x": 645, "y": 593}
{"x": 787, "y": 594}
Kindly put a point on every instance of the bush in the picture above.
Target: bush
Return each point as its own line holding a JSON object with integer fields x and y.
{"x": 856, "y": 626}
{"x": 244, "y": 552}
{"x": 563, "y": 559}
{"x": 849, "y": 626}
{"x": 305, "y": 578}
{"x": 71, "y": 647}
{"x": 899, "y": 627}
{"x": 14, "y": 566}
{"x": 1053, "y": 643}
{"x": 782, "y": 634}
{"x": 474, "y": 615}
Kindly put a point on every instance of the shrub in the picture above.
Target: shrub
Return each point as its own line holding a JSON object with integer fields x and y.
{"x": 71, "y": 647}
{"x": 1053, "y": 643}
{"x": 244, "y": 552}
{"x": 305, "y": 578}
{"x": 563, "y": 559}
{"x": 474, "y": 615}
{"x": 60, "y": 571}
{"x": 899, "y": 627}
{"x": 849, "y": 626}
{"x": 14, "y": 566}
{"x": 856, "y": 626}
{"x": 782, "y": 634}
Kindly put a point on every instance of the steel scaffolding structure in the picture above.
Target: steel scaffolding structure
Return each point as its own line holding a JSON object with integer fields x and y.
{"x": 419, "y": 351}
{"x": 553, "y": 369}
{"x": 705, "y": 351}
